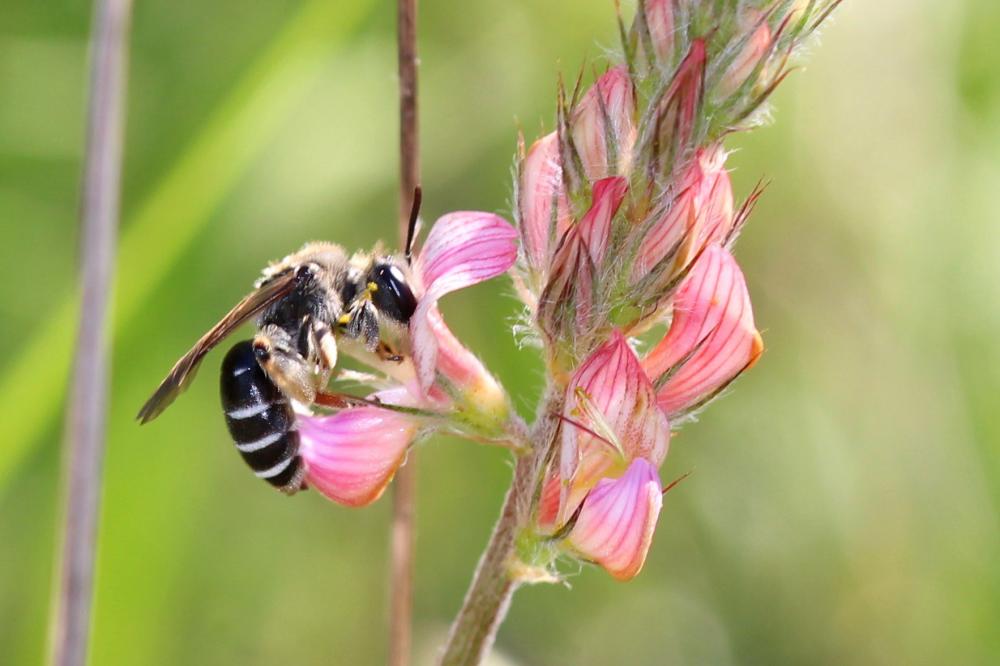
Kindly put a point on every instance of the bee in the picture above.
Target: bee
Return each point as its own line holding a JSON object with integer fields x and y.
{"x": 302, "y": 304}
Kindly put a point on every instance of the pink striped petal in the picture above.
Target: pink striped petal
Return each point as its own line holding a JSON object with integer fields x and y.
{"x": 712, "y": 337}
{"x": 595, "y": 227}
{"x": 540, "y": 190}
{"x": 604, "y": 125}
{"x": 611, "y": 397}
{"x": 351, "y": 456}
{"x": 702, "y": 213}
{"x": 616, "y": 524}
{"x": 462, "y": 249}
{"x": 548, "y": 504}
{"x": 682, "y": 98}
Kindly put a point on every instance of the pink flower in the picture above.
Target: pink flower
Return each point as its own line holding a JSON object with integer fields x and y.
{"x": 603, "y": 125}
{"x": 616, "y": 523}
{"x": 462, "y": 249}
{"x": 351, "y": 456}
{"x": 701, "y": 213}
{"x": 712, "y": 337}
{"x": 613, "y": 400}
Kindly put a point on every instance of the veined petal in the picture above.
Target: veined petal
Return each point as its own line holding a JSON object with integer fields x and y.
{"x": 613, "y": 382}
{"x": 615, "y": 526}
{"x": 462, "y": 249}
{"x": 701, "y": 213}
{"x": 351, "y": 456}
{"x": 603, "y": 125}
{"x": 545, "y": 214}
{"x": 712, "y": 337}
{"x": 595, "y": 227}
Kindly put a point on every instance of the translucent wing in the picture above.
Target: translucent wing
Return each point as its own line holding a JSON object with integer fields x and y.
{"x": 268, "y": 293}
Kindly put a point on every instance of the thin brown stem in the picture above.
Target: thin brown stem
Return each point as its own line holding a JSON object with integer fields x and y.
{"x": 409, "y": 144}
{"x": 85, "y": 422}
{"x": 496, "y": 578}
{"x": 404, "y": 491}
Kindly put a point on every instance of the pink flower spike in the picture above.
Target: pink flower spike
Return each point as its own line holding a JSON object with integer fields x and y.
{"x": 595, "y": 227}
{"x": 712, "y": 337}
{"x": 613, "y": 400}
{"x": 351, "y": 456}
{"x": 540, "y": 190}
{"x": 462, "y": 249}
{"x": 615, "y": 526}
{"x": 604, "y": 125}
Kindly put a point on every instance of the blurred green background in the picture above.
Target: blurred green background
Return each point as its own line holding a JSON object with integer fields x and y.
{"x": 844, "y": 502}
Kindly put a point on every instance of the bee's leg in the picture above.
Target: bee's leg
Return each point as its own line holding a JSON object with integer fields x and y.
{"x": 343, "y": 400}
{"x": 326, "y": 344}
{"x": 278, "y": 356}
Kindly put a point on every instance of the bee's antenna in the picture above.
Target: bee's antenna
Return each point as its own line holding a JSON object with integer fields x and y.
{"x": 412, "y": 227}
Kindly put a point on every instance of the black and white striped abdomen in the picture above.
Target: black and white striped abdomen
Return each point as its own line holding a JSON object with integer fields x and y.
{"x": 260, "y": 420}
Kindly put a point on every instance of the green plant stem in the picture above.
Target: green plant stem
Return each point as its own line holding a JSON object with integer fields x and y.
{"x": 497, "y": 576}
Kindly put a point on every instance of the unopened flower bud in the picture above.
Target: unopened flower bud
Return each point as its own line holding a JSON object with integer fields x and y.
{"x": 543, "y": 208}
{"x": 757, "y": 44}
{"x": 603, "y": 125}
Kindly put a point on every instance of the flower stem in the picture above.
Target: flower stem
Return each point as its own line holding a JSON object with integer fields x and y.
{"x": 85, "y": 426}
{"x": 494, "y": 582}
{"x": 404, "y": 491}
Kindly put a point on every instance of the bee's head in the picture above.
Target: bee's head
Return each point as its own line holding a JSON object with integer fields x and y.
{"x": 390, "y": 293}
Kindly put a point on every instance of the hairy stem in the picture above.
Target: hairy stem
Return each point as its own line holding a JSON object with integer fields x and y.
{"x": 495, "y": 580}
{"x": 404, "y": 491}
{"x": 85, "y": 425}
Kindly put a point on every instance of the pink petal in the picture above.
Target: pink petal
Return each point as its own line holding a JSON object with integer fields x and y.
{"x": 595, "y": 227}
{"x": 606, "y": 113}
{"x": 702, "y": 213}
{"x": 613, "y": 382}
{"x": 682, "y": 98}
{"x": 548, "y": 504}
{"x": 462, "y": 249}
{"x": 616, "y": 524}
{"x": 351, "y": 456}
{"x": 540, "y": 188}
{"x": 713, "y": 326}
{"x": 756, "y": 48}
{"x": 660, "y": 20}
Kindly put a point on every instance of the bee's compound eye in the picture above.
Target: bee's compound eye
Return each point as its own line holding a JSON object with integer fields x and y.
{"x": 261, "y": 351}
{"x": 393, "y": 296}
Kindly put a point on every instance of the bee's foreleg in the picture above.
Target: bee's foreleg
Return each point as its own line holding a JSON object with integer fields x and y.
{"x": 326, "y": 344}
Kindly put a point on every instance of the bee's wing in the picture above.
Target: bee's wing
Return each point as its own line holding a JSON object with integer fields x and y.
{"x": 184, "y": 370}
